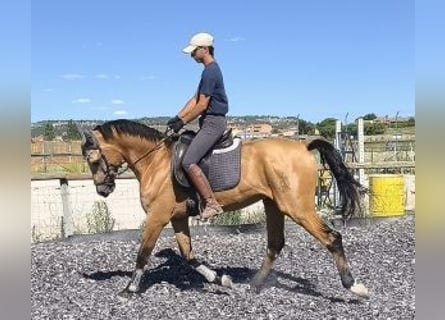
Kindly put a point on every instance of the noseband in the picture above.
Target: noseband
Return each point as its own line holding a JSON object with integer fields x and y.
{"x": 110, "y": 171}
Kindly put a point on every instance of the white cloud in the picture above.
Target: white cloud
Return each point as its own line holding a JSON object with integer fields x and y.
{"x": 49, "y": 90}
{"x": 72, "y": 76}
{"x": 236, "y": 39}
{"x": 82, "y": 100}
{"x": 102, "y": 76}
{"x": 117, "y": 101}
{"x": 149, "y": 77}
{"x": 120, "y": 112}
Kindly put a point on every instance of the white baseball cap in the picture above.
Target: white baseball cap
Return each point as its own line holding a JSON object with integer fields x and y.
{"x": 201, "y": 39}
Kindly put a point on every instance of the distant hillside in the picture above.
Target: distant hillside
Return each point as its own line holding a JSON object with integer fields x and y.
{"x": 279, "y": 124}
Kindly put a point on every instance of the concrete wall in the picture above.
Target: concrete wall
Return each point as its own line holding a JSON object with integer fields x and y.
{"x": 47, "y": 207}
{"x": 123, "y": 204}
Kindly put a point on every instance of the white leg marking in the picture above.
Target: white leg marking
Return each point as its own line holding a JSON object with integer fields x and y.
{"x": 210, "y": 275}
{"x": 226, "y": 281}
{"x": 360, "y": 290}
{"x": 134, "y": 285}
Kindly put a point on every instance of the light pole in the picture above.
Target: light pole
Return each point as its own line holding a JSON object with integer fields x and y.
{"x": 298, "y": 126}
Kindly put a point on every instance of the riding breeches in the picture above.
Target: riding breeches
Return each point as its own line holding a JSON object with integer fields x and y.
{"x": 211, "y": 129}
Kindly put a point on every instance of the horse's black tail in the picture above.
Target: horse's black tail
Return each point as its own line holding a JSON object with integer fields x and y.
{"x": 348, "y": 187}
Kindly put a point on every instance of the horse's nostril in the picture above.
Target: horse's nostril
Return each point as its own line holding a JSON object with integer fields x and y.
{"x": 104, "y": 190}
{"x": 105, "y": 194}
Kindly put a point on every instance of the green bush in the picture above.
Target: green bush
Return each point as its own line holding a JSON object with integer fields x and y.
{"x": 236, "y": 218}
{"x": 228, "y": 218}
{"x": 99, "y": 220}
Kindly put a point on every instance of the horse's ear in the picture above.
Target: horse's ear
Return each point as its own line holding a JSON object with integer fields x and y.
{"x": 90, "y": 140}
{"x": 82, "y": 134}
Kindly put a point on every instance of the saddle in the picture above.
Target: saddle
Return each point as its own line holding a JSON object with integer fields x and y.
{"x": 221, "y": 165}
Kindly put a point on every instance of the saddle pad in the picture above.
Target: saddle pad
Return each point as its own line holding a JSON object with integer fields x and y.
{"x": 222, "y": 167}
{"x": 225, "y": 167}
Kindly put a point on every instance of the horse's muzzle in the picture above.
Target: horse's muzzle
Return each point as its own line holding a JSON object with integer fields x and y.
{"x": 105, "y": 189}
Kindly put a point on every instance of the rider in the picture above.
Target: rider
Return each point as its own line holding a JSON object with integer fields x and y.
{"x": 211, "y": 105}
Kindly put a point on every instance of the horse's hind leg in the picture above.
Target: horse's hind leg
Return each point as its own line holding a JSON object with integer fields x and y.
{"x": 182, "y": 233}
{"x": 275, "y": 242}
{"x": 332, "y": 240}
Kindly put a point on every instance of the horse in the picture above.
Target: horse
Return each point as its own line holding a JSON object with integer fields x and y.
{"x": 280, "y": 172}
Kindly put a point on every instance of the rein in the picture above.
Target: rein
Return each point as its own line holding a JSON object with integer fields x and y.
{"x": 156, "y": 147}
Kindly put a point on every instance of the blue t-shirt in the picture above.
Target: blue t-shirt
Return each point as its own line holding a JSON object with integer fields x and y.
{"x": 212, "y": 85}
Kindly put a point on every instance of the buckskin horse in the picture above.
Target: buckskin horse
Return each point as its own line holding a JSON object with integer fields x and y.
{"x": 280, "y": 172}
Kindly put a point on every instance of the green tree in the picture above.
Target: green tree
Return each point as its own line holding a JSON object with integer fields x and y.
{"x": 327, "y": 128}
{"x": 72, "y": 133}
{"x": 351, "y": 130}
{"x": 49, "y": 133}
{"x": 374, "y": 128}
{"x": 369, "y": 116}
{"x": 305, "y": 127}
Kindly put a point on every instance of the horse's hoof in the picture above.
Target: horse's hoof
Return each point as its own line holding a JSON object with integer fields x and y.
{"x": 125, "y": 294}
{"x": 257, "y": 282}
{"x": 133, "y": 288}
{"x": 226, "y": 281}
{"x": 360, "y": 290}
{"x": 130, "y": 290}
{"x": 255, "y": 287}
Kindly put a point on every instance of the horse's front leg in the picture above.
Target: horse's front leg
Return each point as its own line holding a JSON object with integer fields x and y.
{"x": 182, "y": 233}
{"x": 153, "y": 228}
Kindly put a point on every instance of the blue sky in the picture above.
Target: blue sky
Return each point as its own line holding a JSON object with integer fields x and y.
{"x": 316, "y": 59}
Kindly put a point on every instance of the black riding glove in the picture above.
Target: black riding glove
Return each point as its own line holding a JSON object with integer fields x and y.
{"x": 175, "y": 124}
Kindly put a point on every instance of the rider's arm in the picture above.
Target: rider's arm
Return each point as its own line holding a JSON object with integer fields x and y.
{"x": 194, "y": 107}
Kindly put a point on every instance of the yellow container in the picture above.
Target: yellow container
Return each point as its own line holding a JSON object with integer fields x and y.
{"x": 386, "y": 195}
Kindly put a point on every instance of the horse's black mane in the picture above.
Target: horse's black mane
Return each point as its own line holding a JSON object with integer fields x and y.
{"x": 133, "y": 128}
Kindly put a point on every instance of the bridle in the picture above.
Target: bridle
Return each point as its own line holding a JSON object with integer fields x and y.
{"x": 114, "y": 172}
{"x": 109, "y": 170}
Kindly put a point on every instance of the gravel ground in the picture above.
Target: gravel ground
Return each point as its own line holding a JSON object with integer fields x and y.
{"x": 80, "y": 279}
